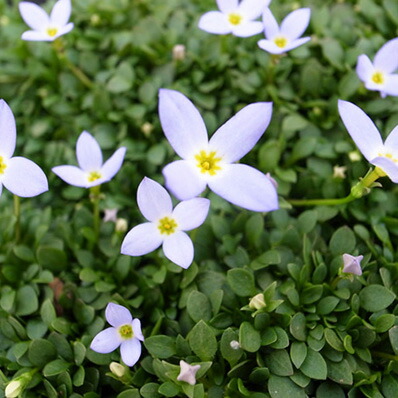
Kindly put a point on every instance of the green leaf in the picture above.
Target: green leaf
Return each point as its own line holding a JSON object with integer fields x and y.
{"x": 333, "y": 52}
{"x": 279, "y": 363}
{"x": 298, "y": 353}
{"x": 314, "y": 366}
{"x": 41, "y": 352}
{"x": 241, "y": 281}
{"x": 327, "y": 304}
{"x": 203, "y": 341}
{"x": 375, "y": 298}
{"x": 160, "y": 346}
{"x": 26, "y": 301}
{"x": 55, "y": 368}
{"x": 393, "y": 335}
{"x": 329, "y": 390}
{"x": 340, "y": 372}
{"x": 229, "y": 353}
{"x": 249, "y": 338}
{"x": 51, "y": 258}
{"x": 169, "y": 389}
{"x": 283, "y": 387}
{"x": 342, "y": 241}
{"x": 389, "y": 386}
{"x": 298, "y": 326}
{"x": 198, "y": 306}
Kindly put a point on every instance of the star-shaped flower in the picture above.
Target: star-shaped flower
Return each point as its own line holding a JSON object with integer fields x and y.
{"x": 188, "y": 373}
{"x": 287, "y": 36}
{"x": 110, "y": 215}
{"x": 166, "y": 226}
{"x": 212, "y": 162}
{"x": 368, "y": 140}
{"x": 378, "y": 76}
{"x": 46, "y": 27}
{"x": 19, "y": 175}
{"x": 125, "y": 332}
{"x": 352, "y": 264}
{"x": 234, "y": 17}
{"x": 92, "y": 170}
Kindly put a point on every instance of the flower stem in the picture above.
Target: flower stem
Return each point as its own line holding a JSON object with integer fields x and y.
{"x": 95, "y": 196}
{"x": 360, "y": 189}
{"x": 385, "y": 355}
{"x": 17, "y": 214}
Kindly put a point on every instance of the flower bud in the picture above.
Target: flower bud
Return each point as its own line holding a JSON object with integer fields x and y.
{"x": 234, "y": 345}
{"x": 13, "y": 389}
{"x": 117, "y": 369}
{"x": 179, "y": 52}
{"x": 121, "y": 225}
{"x": 257, "y": 302}
{"x": 147, "y": 128}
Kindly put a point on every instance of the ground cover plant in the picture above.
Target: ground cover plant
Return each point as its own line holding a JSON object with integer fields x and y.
{"x": 248, "y": 296}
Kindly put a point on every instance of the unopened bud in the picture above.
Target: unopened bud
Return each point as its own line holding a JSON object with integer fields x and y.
{"x": 121, "y": 225}
{"x": 95, "y": 19}
{"x": 147, "y": 128}
{"x": 354, "y": 156}
{"x": 13, "y": 389}
{"x": 257, "y": 302}
{"x": 179, "y": 52}
{"x": 234, "y": 345}
{"x": 117, "y": 369}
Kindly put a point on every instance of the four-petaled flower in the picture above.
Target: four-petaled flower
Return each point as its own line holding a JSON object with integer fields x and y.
{"x": 92, "y": 171}
{"x": 188, "y": 373}
{"x": 287, "y": 36}
{"x": 46, "y": 27}
{"x": 212, "y": 162}
{"x": 166, "y": 226}
{"x": 378, "y": 76}
{"x": 352, "y": 264}
{"x": 368, "y": 140}
{"x": 235, "y": 18}
{"x": 125, "y": 332}
{"x": 19, "y": 175}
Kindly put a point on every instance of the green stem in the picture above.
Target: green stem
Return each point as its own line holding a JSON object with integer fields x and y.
{"x": 17, "y": 214}
{"x": 385, "y": 355}
{"x": 60, "y": 51}
{"x": 156, "y": 328}
{"x": 357, "y": 191}
{"x": 95, "y": 196}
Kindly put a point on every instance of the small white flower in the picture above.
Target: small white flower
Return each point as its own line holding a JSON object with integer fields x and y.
{"x": 188, "y": 373}
{"x": 352, "y": 264}
{"x": 287, "y": 36}
{"x": 234, "y": 344}
{"x": 92, "y": 170}
{"x": 234, "y": 17}
{"x": 368, "y": 140}
{"x": 46, "y": 27}
{"x": 110, "y": 215}
{"x": 339, "y": 172}
{"x": 19, "y": 175}
{"x": 125, "y": 332}
{"x": 378, "y": 76}
{"x": 212, "y": 162}
{"x": 166, "y": 226}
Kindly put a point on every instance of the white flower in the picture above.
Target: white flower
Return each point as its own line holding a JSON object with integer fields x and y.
{"x": 166, "y": 226}
{"x": 368, "y": 140}
{"x": 125, "y": 332}
{"x": 19, "y": 175}
{"x": 212, "y": 162}
{"x": 13, "y": 389}
{"x": 188, "y": 373}
{"x": 352, "y": 264}
{"x": 287, "y": 36}
{"x": 378, "y": 76}
{"x": 257, "y": 302}
{"x": 92, "y": 170}
{"x": 46, "y": 27}
{"x": 235, "y": 18}
{"x": 110, "y": 215}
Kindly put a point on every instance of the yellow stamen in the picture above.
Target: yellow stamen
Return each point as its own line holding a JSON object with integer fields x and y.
{"x": 167, "y": 225}
{"x": 207, "y": 162}
{"x": 378, "y": 78}
{"x": 388, "y": 156}
{"x": 94, "y": 176}
{"x": 126, "y": 332}
{"x": 280, "y": 42}
{"x": 52, "y": 31}
{"x": 234, "y": 19}
{"x": 3, "y": 166}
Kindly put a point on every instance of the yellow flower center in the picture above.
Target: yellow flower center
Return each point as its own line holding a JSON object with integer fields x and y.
{"x": 388, "y": 156}
{"x": 207, "y": 162}
{"x": 167, "y": 225}
{"x": 52, "y": 31}
{"x": 126, "y": 332}
{"x": 280, "y": 42}
{"x": 378, "y": 78}
{"x": 3, "y": 166}
{"x": 94, "y": 176}
{"x": 234, "y": 19}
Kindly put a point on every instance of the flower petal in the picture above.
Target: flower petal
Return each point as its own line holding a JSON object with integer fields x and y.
{"x": 215, "y": 22}
{"x": 181, "y": 123}
{"x": 386, "y": 59}
{"x": 65, "y": 29}
{"x": 71, "y": 175}
{"x": 178, "y": 248}
{"x": 235, "y": 138}
{"x": 33, "y": 15}
{"x": 295, "y": 23}
{"x": 248, "y": 29}
{"x": 117, "y": 315}
{"x": 88, "y": 152}
{"x": 153, "y": 200}
{"x": 252, "y": 9}
{"x": 391, "y": 142}
{"x": 361, "y": 129}
{"x": 106, "y": 341}
{"x": 130, "y": 351}
{"x": 191, "y": 213}
{"x": 388, "y": 166}
{"x": 296, "y": 43}
{"x": 8, "y": 132}
{"x": 24, "y": 178}
{"x": 33, "y": 35}
{"x": 227, "y": 6}
{"x": 391, "y": 85}
{"x": 271, "y": 27}
{"x": 364, "y": 67}
{"x": 246, "y": 187}
{"x": 270, "y": 46}
{"x": 137, "y": 329}
{"x": 60, "y": 13}
{"x": 182, "y": 180}
{"x": 1, "y": 188}
{"x": 113, "y": 164}
{"x": 142, "y": 239}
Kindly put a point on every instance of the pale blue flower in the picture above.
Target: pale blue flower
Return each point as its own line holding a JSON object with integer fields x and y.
{"x": 352, "y": 264}
{"x": 188, "y": 373}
